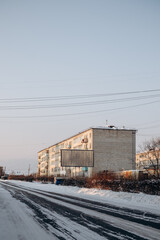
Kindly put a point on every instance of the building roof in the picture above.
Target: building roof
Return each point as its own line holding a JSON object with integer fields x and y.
{"x": 109, "y": 127}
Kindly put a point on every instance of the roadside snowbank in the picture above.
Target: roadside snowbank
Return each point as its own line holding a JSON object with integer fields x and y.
{"x": 139, "y": 201}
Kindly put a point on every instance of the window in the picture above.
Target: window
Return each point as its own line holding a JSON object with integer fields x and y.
{"x": 62, "y": 145}
{"x": 57, "y": 148}
{"x": 86, "y": 146}
{"x": 77, "y": 140}
{"x": 57, "y": 155}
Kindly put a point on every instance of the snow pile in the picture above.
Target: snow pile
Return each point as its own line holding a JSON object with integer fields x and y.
{"x": 139, "y": 201}
{"x": 131, "y": 200}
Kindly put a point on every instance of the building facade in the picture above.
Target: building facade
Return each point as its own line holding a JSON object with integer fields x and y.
{"x": 148, "y": 162}
{"x": 113, "y": 148}
{"x": 43, "y": 161}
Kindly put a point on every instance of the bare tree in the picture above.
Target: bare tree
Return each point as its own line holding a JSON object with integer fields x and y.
{"x": 151, "y": 153}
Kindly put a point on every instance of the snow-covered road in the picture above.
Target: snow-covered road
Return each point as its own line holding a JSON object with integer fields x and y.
{"x": 29, "y": 212}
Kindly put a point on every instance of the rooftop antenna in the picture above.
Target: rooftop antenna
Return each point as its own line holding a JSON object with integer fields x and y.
{"x": 106, "y": 122}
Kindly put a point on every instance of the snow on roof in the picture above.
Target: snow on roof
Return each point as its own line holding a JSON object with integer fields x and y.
{"x": 114, "y": 128}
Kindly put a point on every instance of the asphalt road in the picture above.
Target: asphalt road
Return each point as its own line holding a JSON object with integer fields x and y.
{"x": 67, "y": 217}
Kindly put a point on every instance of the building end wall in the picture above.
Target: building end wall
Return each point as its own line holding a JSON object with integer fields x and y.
{"x": 113, "y": 149}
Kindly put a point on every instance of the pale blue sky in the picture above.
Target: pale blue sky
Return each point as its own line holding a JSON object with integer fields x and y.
{"x": 55, "y": 48}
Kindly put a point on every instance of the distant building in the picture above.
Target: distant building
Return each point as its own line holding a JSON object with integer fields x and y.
{"x": 148, "y": 162}
{"x": 113, "y": 149}
{"x": 1, "y": 171}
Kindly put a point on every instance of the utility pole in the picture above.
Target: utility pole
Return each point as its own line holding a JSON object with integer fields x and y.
{"x": 29, "y": 170}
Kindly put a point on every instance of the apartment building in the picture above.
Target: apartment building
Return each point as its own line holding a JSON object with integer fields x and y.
{"x": 148, "y": 162}
{"x": 43, "y": 161}
{"x": 113, "y": 149}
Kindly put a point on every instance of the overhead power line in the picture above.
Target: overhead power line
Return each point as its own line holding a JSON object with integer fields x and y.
{"x": 55, "y": 98}
{"x": 77, "y": 113}
{"x": 75, "y": 104}
{"x": 153, "y": 126}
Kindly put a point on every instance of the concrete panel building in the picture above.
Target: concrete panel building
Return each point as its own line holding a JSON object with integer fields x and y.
{"x": 113, "y": 149}
{"x": 149, "y": 162}
{"x": 43, "y": 160}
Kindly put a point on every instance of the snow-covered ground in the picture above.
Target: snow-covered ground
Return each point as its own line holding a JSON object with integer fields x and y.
{"x": 139, "y": 201}
{"x": 26, "y": 214}
{"x": 15, "y": 220}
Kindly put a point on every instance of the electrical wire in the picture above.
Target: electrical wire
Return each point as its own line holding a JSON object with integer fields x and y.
{"x": 33, "y": 99}
{"x": 78, "y": 113}
{"x": 78, "y": 103}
